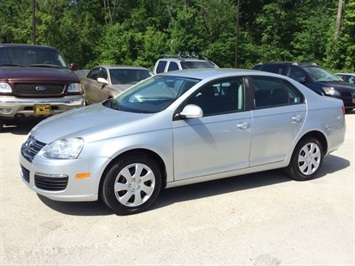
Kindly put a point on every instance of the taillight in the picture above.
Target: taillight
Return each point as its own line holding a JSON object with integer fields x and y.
{"x": 343, "y": 109}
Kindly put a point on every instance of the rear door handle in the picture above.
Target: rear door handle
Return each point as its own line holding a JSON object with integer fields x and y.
{"x": 297, "y": 118}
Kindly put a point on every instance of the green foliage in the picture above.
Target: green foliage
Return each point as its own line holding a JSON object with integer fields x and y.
{"x": 136, "y": 32}
{"x": 310, "y": 40}
{"x": 339, "y": 52}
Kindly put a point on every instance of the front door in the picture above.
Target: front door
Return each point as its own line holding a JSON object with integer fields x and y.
{"x": 220, "y": 140}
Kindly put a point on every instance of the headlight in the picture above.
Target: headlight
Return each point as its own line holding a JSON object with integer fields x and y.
{"x": 63, "y": 148}
{"x": 330, "y": 91}
{"x": 75, "y": 88}
{"x": 5, "y": 87}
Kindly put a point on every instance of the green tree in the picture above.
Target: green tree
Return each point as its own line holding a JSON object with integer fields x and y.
{"x": 313, "y": 29}
{"x": 16, "y": 21}
{"x": 136, "y": 32}
{"x": 341, "y": 51}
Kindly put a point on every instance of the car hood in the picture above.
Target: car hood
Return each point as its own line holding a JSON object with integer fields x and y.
{"x": 340, "y": 85}
{"x": 121, "y": 87}
{"x": 37, "y": 73}
{"x": 96, "y": 122}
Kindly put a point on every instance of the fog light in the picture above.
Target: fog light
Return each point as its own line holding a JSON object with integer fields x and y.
{"x": 5, "y": 110}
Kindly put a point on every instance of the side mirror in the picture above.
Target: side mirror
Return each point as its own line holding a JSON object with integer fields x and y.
{"x": 301, "y": 79}
{"x": 191, "y": 111}
{"x": 102, "y": 80}
{"x": 74, "y": 66}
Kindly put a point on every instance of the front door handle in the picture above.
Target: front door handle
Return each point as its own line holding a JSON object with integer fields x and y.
{"x": 243, "y": 125}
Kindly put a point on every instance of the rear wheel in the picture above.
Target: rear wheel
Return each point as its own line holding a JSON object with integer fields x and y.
{"x": 306, "y": 160}
{"x": 132, "y": 184}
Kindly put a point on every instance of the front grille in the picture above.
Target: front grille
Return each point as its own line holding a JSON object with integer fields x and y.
{"x": 346, "y": 94}
{"x": 25, "y": 174}
{"x": 38, "y": 89}
{"x": 31, "y": 147}
{"x": 51, "y": 183}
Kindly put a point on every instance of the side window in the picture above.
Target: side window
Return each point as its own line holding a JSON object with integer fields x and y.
{"x": 271, "y": 92}
{"x": 173, "y": 66}
{"x": 350, "y": 79}
{"x": 93, "y": 74}
{"x": 274, "y": 68}
{"x": 103, "y": 73}
{"x": 161, "y": 66}
{"x": 294, "y": 95}
{"x": 296, "y": 73}
{"x": 223, "y": 97}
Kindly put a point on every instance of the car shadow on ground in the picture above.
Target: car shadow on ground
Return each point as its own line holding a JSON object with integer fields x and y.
{"x": 243, "y": 182}
{"x": 21, "y": 126}
{"x": 351, "y": 112}
{"x": 202, "y": 190}
{"x": 96, "y": 208}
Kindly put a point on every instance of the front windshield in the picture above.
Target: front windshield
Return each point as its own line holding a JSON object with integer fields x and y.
{"x": 31, "y": 56}
{"x": 128, "y": 76}
{"x": 320, "y": 74}
{"x": 152, "y": 95}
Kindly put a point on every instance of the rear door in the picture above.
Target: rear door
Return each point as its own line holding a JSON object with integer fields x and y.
{"x": 278, "y": 116}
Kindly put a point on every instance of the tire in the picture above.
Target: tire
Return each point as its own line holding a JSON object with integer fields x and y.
{"x": 1, "y": 124}
{"x": 306, "y": 160}
{"x": 131, "y": 184}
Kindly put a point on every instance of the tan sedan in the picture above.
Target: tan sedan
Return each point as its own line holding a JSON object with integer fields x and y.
{"x": 105, "y": 82}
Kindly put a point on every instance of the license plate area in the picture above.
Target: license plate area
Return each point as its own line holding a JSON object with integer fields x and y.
{"x": 43, "y": 109}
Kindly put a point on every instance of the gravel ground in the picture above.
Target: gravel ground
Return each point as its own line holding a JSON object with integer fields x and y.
{"x": 257, "y": 219}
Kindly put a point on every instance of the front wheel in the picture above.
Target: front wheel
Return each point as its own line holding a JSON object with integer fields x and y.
{"x": 306, "y": 160}
{"x": 132, "y": 184}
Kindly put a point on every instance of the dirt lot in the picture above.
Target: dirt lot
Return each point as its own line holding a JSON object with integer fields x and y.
{"x": 259, "y": 219}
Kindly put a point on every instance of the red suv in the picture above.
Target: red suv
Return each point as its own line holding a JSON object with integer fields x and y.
{"x": 36, "y": 81}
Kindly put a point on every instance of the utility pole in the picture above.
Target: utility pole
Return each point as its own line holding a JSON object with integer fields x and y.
{"x": 338, "y": 21}
{"x": 33, "y": 22}
{"x": 236, "y": 37}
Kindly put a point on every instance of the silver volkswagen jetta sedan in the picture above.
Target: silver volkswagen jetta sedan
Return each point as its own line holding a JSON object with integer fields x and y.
{"x": 181, "y": 128}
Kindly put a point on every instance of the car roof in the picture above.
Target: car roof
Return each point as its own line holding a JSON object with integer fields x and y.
{"x": 303, "y": 64}
{"x": 122, "y": 67}
{"x": 351, "y": 74}
{"x": 184, "y": 59}
{"x": 205, "y": 73}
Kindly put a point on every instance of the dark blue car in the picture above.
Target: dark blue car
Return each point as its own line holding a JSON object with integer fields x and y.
{"x": 314, "y": 77}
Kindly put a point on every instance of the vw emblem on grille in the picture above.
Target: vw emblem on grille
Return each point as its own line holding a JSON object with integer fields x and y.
{"x": 41, "y": 88}
{"x": 29, "y": 142}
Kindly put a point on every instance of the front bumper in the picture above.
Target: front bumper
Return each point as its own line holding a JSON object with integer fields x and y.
{"x": 12, "y": 107}
{"x": 57, "y": 179}
{"x": 348, "y": 98}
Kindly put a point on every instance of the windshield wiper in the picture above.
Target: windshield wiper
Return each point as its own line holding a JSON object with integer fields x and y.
{"x": 109, "y": 103}
{"x": 45, "y": 65}
{"x": 15, "y": 65}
